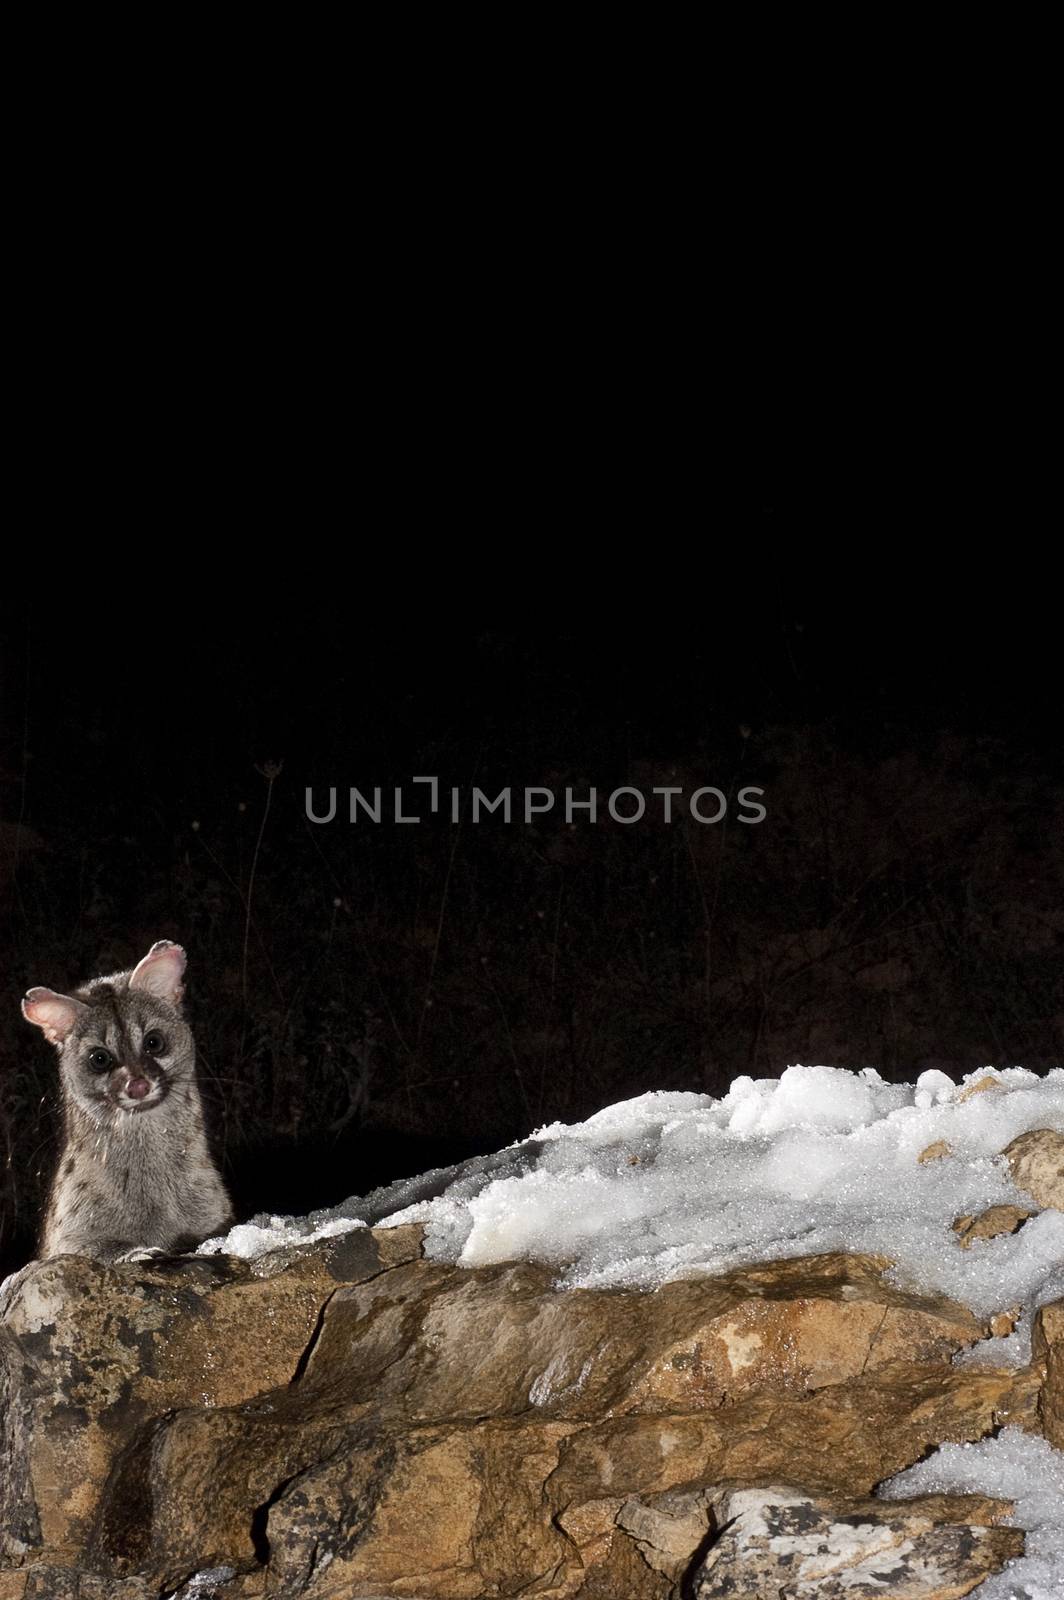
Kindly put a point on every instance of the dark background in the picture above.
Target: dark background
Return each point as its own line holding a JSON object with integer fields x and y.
{"x": 370, "y": 1001}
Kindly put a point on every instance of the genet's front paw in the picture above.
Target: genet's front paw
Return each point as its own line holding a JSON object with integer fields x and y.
{"x": 143, "y": 1252}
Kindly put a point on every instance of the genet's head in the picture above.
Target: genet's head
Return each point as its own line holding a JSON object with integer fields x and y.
{"x": 122, "y": 1041}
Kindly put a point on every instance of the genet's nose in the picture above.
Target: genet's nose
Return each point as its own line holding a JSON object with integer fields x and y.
{"x": 137, "y": 1088}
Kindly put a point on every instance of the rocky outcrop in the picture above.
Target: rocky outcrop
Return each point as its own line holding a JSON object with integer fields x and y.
{"x": 349, "y": 1419}
{"x": 778, "y": 1542}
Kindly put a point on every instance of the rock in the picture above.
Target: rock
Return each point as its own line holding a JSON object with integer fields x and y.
{"x": 935, "y": 1152}
{"x": 668, "y": 1527}
{"x": 20, "y": 1527}
{"x": 1002, "y": 1323}
{"x": 990, "y": 1223}
{"x": 446, "y": 1343}
{"x": 1036, "y": 1160}
{"x": 987, "y": 1084}
{"x": 89, "y": 1354}
{"x": 350, "y": 1419}
{"x": 1048, "y": 1344}
{"x": 473, "y": 1493}
{"x": 63, "y": 1583}
{"x": 844, "y": 1438}
{"x": 778, "y": 1541}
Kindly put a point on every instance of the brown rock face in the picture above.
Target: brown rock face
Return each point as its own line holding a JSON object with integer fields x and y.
{"x": 501, "y": 1341}
{"x": 62, "y": 1583}
{"x": 985, "y": 1085}
{"x": 1037, "y": 1163}
{"x": 989, "y": 1224}
{"x": 350, "y": 1420}
{"x": 1048, "y": 1343}
{"x": 99, "y": 1351}
{"x": 779, "y": 1541}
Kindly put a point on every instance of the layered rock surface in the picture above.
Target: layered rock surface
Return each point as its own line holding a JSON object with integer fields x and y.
{"x": 779, "y": 1542}
{"x": 349, "y": 1419}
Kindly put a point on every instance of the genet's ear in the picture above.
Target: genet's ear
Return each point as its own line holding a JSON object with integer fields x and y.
{"x": 55, "y": 1014}
{"x": 161, "y": 973}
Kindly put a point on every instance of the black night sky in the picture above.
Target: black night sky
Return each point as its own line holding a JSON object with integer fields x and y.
{"x": 371, "y": 1000}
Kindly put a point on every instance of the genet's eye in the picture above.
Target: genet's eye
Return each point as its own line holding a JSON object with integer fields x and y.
{"x": 154, "y": 1044}
{"x": 100, "y": 1060}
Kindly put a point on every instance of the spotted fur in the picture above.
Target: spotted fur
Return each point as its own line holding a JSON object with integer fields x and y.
{"x": 135, "y": 1170}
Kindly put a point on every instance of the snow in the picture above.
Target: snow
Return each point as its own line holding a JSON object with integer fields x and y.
{"x": 677, "y": 1185}
{"x": 1013, "y": 1466}
{"x": 204, "y": 1585}
{"x": 254, "y": 1239}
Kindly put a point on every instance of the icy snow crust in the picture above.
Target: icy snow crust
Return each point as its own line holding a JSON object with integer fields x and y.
{"x": 674, "y": 1185}
{"x": 254, "y": 1239}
